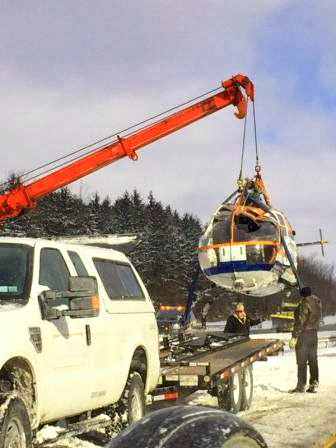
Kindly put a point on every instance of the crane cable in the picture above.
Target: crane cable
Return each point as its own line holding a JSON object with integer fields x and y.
{"x": 257, "y": 167}
{"x": 240, "y": 180}
{"x": 129, "y": 131}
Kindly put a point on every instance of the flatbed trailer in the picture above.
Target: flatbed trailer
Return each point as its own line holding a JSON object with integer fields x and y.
{"x": 217, "y": 363}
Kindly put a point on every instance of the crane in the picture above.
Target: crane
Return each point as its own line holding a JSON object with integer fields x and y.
{"x": 23, "y": 197}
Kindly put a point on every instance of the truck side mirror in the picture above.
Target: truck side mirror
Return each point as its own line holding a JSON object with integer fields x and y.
{"x": 88, "y": 284}
{"x": 82, "y": 295}
{"x": 85, "y": 299}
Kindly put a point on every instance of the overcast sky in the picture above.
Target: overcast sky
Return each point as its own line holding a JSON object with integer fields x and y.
{"x": 72, "y": 72}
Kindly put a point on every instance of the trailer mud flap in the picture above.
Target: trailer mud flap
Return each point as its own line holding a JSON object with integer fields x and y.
{"x": 162, "y": 394}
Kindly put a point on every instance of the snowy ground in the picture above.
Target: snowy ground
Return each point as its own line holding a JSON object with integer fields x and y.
{"x": 285, "y": 420}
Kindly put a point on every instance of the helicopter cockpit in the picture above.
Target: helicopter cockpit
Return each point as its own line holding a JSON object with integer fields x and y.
{"x": 259, "y": 236}
{"x": 242, "y": 247}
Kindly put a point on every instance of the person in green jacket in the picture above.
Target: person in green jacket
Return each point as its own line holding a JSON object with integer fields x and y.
{"x": 307, "y": 316}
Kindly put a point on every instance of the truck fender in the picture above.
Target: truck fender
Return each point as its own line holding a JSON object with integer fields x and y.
{"x": 17, "y": 376}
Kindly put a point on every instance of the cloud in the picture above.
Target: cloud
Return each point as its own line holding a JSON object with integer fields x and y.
{"x": 71, "y": 74}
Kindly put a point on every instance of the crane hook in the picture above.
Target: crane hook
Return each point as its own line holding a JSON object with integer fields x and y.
{"x": 236, "y": 82}
{"x": 240, "y": 104}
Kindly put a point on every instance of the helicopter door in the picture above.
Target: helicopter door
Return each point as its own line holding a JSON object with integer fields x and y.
{"x": 221, "y": 234}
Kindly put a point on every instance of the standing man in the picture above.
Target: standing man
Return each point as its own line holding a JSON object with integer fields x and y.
{"x": 307, "y": 317}
{"x": 239, "y": 322}
{"x": 205, "y": 311}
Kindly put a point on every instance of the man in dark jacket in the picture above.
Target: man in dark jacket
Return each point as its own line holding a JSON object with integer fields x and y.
{"x": 239, "y": 322}
{"x": 307, "y": 316}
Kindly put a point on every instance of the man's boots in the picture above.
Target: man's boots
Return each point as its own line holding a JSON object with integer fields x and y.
{"x": 312, "y": 387}
{"x": 298, "y": 389}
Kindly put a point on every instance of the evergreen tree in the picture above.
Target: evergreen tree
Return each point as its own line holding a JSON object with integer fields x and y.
{"x": 122, "y": 209}
{"x": 167, "y": 256}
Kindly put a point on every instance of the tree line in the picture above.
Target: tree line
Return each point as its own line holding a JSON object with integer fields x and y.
{"x": 167, "y": 256}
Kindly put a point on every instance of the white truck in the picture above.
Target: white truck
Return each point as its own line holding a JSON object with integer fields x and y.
{"x": 78, "y": 337}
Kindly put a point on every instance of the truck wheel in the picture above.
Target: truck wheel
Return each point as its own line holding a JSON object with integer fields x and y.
{"x": 247, "y": 388}
{"x": 230, "y": 398}
{"x": 188, "y": 427}
{"x": 132, "y": 402}
{"x": 136, "y": 398}
{"x": 15, "y": 426}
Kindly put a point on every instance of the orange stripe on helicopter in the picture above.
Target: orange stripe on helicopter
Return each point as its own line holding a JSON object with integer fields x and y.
{"x": 245, "y": 243}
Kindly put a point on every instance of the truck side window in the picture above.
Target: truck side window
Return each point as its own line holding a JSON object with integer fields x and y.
{"x": 78, "y": 264}
{"x": 54, "y": 272}
{"x": 119, "y": 280}
{"x": 129, "y": 281}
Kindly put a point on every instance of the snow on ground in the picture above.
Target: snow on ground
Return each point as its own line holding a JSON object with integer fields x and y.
{"x": 328, "y": 320}
{"x": 284, "y": 420}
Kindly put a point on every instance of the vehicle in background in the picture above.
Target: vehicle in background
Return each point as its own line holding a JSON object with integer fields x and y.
{"x": 169, "y": 318}
{"x": 283, "y": 320}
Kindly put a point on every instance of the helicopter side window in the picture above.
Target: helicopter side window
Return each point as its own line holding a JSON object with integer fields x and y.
{"x": 221, "y": 228}
{"x": 206, "y": 238}
{"x": 246, "y": 229}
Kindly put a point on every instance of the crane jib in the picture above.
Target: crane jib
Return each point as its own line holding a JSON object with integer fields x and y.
{"x": 22, "y": 197}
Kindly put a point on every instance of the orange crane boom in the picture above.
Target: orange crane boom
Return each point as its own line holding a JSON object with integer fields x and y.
{"x": 23, "y": 197}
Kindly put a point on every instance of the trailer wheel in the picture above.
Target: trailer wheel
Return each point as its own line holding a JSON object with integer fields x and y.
{"x": 189, "y": 427}
{"x": 230, "y": 397}
{"x": 15, "y": 429}
{"x": 247, "y": 388}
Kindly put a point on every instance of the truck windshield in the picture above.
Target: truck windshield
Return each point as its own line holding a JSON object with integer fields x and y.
{"x": 169, "y": 316}
{"x": 15, "y": 275}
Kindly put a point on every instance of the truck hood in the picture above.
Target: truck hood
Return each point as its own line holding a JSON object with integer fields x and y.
{"x": 9, "y": 307}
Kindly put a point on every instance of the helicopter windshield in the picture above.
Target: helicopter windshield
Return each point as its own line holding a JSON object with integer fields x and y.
{"x": 221, "y": 229}
{"x": 247, "y": 229}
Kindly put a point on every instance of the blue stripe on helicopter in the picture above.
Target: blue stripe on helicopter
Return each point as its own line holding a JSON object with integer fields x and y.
{"x": 237, "y": 266}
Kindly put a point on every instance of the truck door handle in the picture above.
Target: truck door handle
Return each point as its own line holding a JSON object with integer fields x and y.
{"x": 88, "y": 334}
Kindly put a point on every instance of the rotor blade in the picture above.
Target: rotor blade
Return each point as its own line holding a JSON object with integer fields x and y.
{"x": 321, "y": 242}
{"x": 313, "y": 243}
{"x": 230, "y": 197}
{"x": 321, "y": 239}
{"x": 291, "y": 262}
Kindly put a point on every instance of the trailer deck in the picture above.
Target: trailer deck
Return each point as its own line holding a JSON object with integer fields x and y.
{"x": 216, "y": 362}
{"x": 223, "y": 358}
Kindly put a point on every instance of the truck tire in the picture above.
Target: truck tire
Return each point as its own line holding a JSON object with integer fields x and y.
{"x": 15, "y": 429}
{"x": 189, "y": 427}
{"x": 230, "y": 397}
{"x": 132, "y": 401}
{"x": 247, "y": 388}
{"x": 136, "y": 398}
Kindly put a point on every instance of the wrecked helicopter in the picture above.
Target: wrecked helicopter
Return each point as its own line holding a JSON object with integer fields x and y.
{"x": 248, "y": 246}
